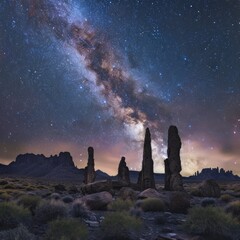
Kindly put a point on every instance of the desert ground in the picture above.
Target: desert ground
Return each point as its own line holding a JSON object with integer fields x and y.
{"x": 38, "y": 209}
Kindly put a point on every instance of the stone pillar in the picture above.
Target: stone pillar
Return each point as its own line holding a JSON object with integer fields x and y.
{"x": 123, "y": 171}
{"x": 173, "y": 163}
{"x": 146, "y": 176}
{"x": 89, "y": 173}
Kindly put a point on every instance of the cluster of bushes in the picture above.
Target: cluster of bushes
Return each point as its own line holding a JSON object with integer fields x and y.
{"x": 120, "y": 225}
{"x": 212, "y": 222}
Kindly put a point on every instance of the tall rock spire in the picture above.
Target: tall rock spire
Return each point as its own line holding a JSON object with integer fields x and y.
{"x": 89, "y": 172}
{"x": 123, "y": 171}
{"x": 173, "y": 178}
{"x": 146, "y": 175}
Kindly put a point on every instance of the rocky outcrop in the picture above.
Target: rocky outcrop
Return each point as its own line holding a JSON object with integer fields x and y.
{"x": 149, "y": 193}
{"x": 214, "y": 173}
{"x": 32, "y": 165}
{"x": 97, "y": 186}
{"x": 89, "y": 173}
{"x": 123, "y": 171}
{"x": 146, "y": 175}
{"x": 97, "y": 201}
{"x": 210, "y": 188}
{"x": 173, "y": 178}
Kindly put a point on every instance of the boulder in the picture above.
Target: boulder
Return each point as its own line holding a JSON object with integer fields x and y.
{"x": 98, "y": 186}
{"x": 149, "y": 193}
{"x": 178, "y": 202}
{"x": 210, "y": 188}
{"x": 97, "y": 201}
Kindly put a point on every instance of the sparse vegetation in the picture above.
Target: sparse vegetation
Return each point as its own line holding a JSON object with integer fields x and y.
{"x": 19, "y": 233}
{"x": 234, "y": 209}
{"x": 120, "y": 205}
{"x": 212, "y": 222}
{"x": 50, "y": 210}
{"x": 67, "y": 229}
{"x": 11, "y": 215}
{"x": 30, "y": 201}
{"x": 5, "y": 196}
{"x": 119, "y": 225}
{"x": 152, "y": 204}
{"x": 226, "y": 198}
{"x": 79, "y": 209}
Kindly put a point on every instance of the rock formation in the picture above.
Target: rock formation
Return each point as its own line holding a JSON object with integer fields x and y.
{"x": 146, "y": 175}
{"x": 123, "y": 171}
{"x": 173, "y": 178}
{"x": 89, "y": 172}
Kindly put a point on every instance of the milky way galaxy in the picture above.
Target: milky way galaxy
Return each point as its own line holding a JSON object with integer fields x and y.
{"x": 99, "y": 72}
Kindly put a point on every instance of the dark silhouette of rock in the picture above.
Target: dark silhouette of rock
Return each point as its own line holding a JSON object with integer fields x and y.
{"x": 214, "y": 173}
{"x": 97, "y": 201}
{"x": 89, "y": 174}
{"x": 149, "y": 193}
{"x": 123, "y": 171}
{"x": 97, "y": 186}
{"x": 146, "y": 175}
{"x": 167, "y": 177}
{"x": 173, "y": 178}
{"x": 210, "y": 188}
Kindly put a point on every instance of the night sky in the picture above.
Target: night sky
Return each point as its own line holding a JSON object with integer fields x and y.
{"x": 79, "y": 73}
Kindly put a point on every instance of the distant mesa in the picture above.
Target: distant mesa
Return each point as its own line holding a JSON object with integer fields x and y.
{"x": 214, "y": 173}
{"x": 57, "y": 167}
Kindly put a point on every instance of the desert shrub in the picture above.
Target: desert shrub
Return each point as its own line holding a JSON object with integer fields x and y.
{"x": 79, "y": 209}
{"x": 120, "y": 205}
{"x": 9, "y": 186}
{"x": 3, "y": 182}
{"x": 48, "y": 211}
{"x": 179, "y": 202}
{"x": 19, "y": 233}
{"x": 127, "y": 193}
{"x": 234, "y": 209}
{"x": 55, "y": 196}
{"x": 73, "y": 189}
{"x": 152, "y": 204}
{"x": 11, "y": 215}
{"x": 195, "y": 192}
{"x": 5, "y": 196}
{"x": 226, "y": 198}
{"x": 212, "y": 222}
{"x": 67, "y": 199}
{"x": 67, "y": 229}
{"x": 30, "y": 201}
{"x": 59, "y": 188}
{"x": 208, "y": 202}
{"x": 119, "y": 225}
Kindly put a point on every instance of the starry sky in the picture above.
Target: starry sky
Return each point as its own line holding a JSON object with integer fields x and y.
{"x": 79, "y": 73}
